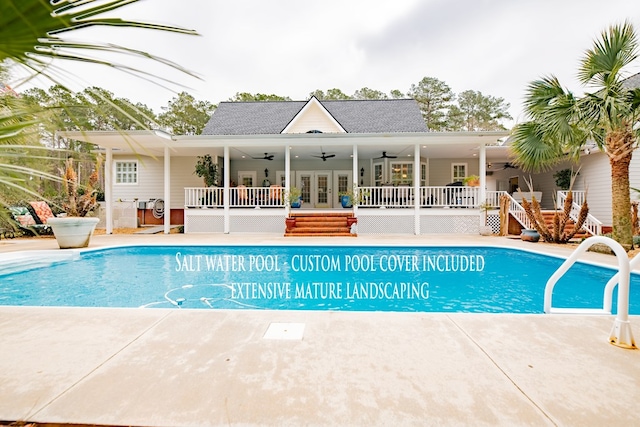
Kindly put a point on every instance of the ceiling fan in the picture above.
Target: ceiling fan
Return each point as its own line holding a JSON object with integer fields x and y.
{"x": 267, "y": 156}
{"x": 386, "y": 156}
{"x": 325, "y": 156}
{"x": 505, "y": 165}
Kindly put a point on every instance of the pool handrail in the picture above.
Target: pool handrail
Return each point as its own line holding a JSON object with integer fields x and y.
{"x": 621, "y": 334}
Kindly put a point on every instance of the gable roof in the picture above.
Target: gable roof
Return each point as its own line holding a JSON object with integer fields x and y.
{"x": 355, "y": 116}
{"x": 632, "y": 82}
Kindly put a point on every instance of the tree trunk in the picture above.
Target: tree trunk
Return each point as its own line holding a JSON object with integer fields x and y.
{"x": 620, "y": 189}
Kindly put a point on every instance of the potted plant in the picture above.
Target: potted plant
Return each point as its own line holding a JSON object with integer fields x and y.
{"x": 75, "y": 228}
{"x": 346, "y": 198}
{"x": 485, "y": 207}
{"x": 472, "y": 181}
{"x": 208, "y": 170}
{"x": 563, "y": 178}
{"x": 294, "y": 197}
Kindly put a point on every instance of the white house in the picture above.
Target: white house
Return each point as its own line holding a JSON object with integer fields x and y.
{"x": 409, "y": 178}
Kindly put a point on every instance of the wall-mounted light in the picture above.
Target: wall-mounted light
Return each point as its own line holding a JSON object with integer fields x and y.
{"x": 362, "y": 172}
{"x": 266, "y": 172}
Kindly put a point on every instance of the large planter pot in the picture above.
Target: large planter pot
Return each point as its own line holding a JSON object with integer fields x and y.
{"x": 345, "y": 201}
{"x": 530, "y": 235}
{"x": 73, "y": 232}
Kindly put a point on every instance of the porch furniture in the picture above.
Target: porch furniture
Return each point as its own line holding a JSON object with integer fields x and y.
{"x": 517, "y": 196}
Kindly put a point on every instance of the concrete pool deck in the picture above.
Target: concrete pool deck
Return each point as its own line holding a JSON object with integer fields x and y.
{"x": 196, "y": 368}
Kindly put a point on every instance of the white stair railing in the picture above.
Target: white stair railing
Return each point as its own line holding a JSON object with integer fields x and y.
{"x": 517, "y": 211}
{"x": 621, "y": 334}
{"x": 592, "y": 225}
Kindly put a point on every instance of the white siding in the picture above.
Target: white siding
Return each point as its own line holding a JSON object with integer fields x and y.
{"x": 314, "y": 118}
{"x": 151, "y": 179}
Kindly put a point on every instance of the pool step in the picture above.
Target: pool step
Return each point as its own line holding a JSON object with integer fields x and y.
{"x": 319, "y": 225}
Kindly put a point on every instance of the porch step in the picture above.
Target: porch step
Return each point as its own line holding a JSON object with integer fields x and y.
{"x": 320, "y": 225}
{"x": 548, "y": 219}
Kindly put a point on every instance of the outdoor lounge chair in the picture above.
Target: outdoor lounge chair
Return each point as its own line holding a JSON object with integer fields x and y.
{"x": 26, "y": 222}
{"x": 41, "y": 211}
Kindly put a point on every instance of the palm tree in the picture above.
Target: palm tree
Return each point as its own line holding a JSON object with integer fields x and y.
{"x": 561, "y": 123}
{"x": 34, "y": 37}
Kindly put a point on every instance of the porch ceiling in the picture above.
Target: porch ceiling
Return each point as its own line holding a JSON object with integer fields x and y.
{"x": 304, "y": 146}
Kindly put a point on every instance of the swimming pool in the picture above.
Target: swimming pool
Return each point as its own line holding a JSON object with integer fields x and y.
{"x": 350, "y": 278}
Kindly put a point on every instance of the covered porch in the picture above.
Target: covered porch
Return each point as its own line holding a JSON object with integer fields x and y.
{"x": 406, "y": 183}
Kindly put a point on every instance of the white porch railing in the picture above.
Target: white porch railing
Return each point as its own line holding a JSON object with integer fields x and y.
{"x": 429, "y": 197}
{"x": 517, "y": 211}
{"x": 398, "y": 197}
{"x": 203, "y": 197}
{"x": 591, "y": 224}
{"x": 247, "y": 197}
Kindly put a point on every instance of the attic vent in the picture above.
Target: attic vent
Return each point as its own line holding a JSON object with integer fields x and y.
{"x": 314, "y": 131}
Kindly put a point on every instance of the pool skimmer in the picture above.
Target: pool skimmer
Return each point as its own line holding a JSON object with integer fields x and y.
{"x": 284, "y": 331}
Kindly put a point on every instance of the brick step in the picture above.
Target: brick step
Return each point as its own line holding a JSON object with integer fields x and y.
{"x": 548, "y": 219}
{"x": 319, "y": 223}
{"x": 319, "y": 230}
{"x": 323, "y": 215}
{"x": 320, "y": 235}
{"x": 312, "y": 220}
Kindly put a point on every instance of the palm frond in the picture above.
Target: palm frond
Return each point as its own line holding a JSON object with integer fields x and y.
{"x": 616, "y": 48}
{"x": 534, "y": 149}
{"x": 31, "y": 34}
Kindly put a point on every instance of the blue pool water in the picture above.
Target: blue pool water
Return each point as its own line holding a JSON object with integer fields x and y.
{"x": 429, "y": 279}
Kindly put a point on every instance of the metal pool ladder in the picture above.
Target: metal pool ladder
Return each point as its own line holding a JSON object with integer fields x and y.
{"x": 621, "y": 334}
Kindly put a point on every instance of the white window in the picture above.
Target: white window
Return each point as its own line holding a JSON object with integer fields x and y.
{"x": 458, "y": 172}
{"x": 401, "y": 173}
{"x": 247, "y": 178}
{"x": 126, "y": 172}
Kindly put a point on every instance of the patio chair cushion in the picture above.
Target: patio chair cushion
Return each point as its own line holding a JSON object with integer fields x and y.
{"x": 42, "y": 211}
{"x": 25, "y": 220}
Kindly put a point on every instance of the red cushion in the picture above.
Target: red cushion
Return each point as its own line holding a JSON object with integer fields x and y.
{"x": 26, "y": 220}
{"x": 43, "y": 211}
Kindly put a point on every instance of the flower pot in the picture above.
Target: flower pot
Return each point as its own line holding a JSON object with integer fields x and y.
{"x": 346, "y": 201}
{"x": 530, "y": 235}
{"x": 72, "y": 231}
{"x": 486, "y": 230}
{"x": 297, "y": 203}
{"x": 290, "y": 223}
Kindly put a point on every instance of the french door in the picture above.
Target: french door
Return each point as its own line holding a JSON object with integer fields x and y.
{"x": 317, "y": 188}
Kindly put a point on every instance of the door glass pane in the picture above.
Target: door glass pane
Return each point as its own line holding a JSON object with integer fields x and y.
{"x": 323, "y": 188}
{"x": 377, "y": 175}
{"x": 306, "y": 188}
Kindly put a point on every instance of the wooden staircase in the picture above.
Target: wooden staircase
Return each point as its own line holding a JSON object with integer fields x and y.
{"x": 319, "y": 225}
{"x": 548, "y": 219}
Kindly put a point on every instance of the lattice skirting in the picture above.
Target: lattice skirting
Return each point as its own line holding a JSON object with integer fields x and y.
{"x": 449, "y": 224}
{"x": 386, "y": 224}
{"x": 257, "y": 224}
{"x": 493, "y": 221}
{"x": 203, "y": 224}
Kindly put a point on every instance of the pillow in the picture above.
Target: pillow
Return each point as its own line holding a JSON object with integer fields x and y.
{"x": 26, "y": 220}
{"x": 42, "y": 210}
{"x": 19, "y": 210}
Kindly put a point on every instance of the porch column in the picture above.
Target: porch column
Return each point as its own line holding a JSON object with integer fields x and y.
{"x": 354, "y": 176}
{"x": 108, "y": 191}
{"x": 226, "y": 194}
{"x": 482, "y": 160}
{"x": 417, "y": 199}
{"x": 287, "y": 178}
{"x": 167, "y": 190}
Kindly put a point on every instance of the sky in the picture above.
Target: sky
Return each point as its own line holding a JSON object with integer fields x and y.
{"x": 292, "y": 47}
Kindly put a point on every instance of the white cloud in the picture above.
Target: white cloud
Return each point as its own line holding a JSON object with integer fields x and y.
{"x": 292, "y": 48}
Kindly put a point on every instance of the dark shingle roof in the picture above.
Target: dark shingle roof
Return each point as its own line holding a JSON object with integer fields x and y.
{"x": 355, "y": 116}
{"x": 632, "y": 82}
